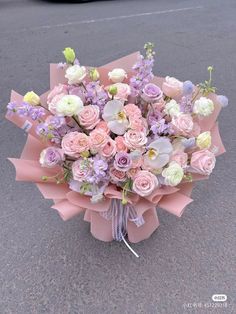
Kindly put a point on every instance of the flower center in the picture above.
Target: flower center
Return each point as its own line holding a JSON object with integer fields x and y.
{"x": 121, "y": 116}
{"x": 152, "y": 154}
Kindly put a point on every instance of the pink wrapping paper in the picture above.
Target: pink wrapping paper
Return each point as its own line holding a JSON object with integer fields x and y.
{"x": 69, "y": 203}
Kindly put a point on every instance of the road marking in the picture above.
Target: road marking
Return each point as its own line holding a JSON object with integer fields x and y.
{"x": 105, "y": 19}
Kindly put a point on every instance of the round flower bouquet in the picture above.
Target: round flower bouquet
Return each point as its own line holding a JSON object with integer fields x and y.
{"x": 116, "y": 142}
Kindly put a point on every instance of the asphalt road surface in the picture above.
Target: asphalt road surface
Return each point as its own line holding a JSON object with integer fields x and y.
{"x": 49, "y": 266}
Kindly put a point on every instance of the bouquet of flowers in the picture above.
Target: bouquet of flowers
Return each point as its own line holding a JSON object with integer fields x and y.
{"x": 116, "y": 142}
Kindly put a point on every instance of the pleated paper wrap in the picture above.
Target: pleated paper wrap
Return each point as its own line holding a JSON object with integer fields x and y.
{"x": 141, "y": 217}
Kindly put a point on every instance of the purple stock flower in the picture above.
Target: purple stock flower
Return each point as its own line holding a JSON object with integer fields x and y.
{"x": 36, "y": 113}
{"x": 188, "y": 142}
{"x": 96, "y": 95}
{"x": 186, "y": 105}
{"x": 123, "y": 161}
{"x": 160, "y": 127}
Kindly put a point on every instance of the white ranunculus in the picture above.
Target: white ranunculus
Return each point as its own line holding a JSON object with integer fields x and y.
{"x": 203, "y": 106}
{"x": 75, "y": 74}
{"x": 69, "y": 105}
{"x": 117, "y": 75}
{"x": 173, "y": 174}
{"x": 172, "y": 108}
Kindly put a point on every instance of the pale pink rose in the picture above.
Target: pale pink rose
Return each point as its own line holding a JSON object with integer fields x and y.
{"x": 53, "y": 104}
{"x": 181, "y": 158}
{"x": 55, "y": 95}
{"x": 144, "y": 183}
{"x": 137, "y": 162}
{"x": 75, "y": 143}
{"x": 203, "y": 161}
{"x": 138, "y": 124}
{"x": 102, "y": 125}
{"x": 172, "y": 87}
{"x": 98, "y": 139}
{"x": 131, "y": 110}
{"x": 89, "y": 116}
{"x": 109, "y": 150}
{"x": 116, "y": 175}
{"x": 182, "y": 124}
{"x": 123, "y": 91}
{"x": 159, "y": 106}
{"x": 120, "y": 144}
{"x": 135, "y": 139}
{"x": 58, "y": 89}
{"x": 80, "y": 170}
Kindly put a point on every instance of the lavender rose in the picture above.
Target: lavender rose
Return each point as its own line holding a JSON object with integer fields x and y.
{"x": 51, "y": 156}
{"x": 151, "y": 93}
{"x": 122, "y": 161}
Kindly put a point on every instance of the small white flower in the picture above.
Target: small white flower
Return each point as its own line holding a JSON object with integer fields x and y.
{"x": 115, "y": 117}
{"x": 75, "y": 74}
{"x": 158, "y": 154}
{"x": 117, "y": 75}
{"x": 173, "y": 174}
{"x": 69, "y": 105}
{"x": 203, "y": 106}
{"x": 172, "y": 108}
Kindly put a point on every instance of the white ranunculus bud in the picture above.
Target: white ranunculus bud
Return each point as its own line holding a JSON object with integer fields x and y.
{"x": 117, "y": 75}
{"x": 75, "y": 74}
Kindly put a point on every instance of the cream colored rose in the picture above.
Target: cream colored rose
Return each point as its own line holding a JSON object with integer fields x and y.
{"x": 75, "y": 74}
{"x": 117, "y": 75}
{"x": 69, "y": 105}
{"x": 172, "y": 108}
{"x": 204, "y": 140}
{"x": 173, "y": 174}
{"x": 32, "y": 98}
{"x": 203, "y": 106}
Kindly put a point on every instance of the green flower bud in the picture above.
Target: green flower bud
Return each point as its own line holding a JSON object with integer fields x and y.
{"x": 69, "y": 55}
{"x": 94, "y": 74}
{"x": 112, "y": 90}
{"x": 210, "y": 68}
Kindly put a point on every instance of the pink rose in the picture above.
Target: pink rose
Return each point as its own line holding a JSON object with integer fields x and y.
{"x": 135, "y": 139}
{"x": 81, "y": 169}
{"x": 109, "y": 150}
{"x": 138, "y": 124}
{"x": 144, "y": 183}
{"x": 102, "y": 125}
{"x": 75, "y": 143}
{"x": 203, "y": 161}
{"x": 181, "y": 158}
{"x": 132, "y": 110}
{"x": 159, "y": 105}
{"x": 55, "y": 95}
{"x": 98, "y": 139}
{"x": 172, "y": 87}
{"x": 116, "y": 175}
{"x": 123, "y": 91}
{"x": 120, "y": 144}
{"x": 182, "y": 124}
{"x": 89, "y": 116}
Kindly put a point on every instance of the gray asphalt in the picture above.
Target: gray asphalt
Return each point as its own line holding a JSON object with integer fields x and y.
{"x": 49, "y": 266}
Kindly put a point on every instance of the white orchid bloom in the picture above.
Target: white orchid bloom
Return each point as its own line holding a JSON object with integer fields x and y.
{"x": 115, "y": 117}
{"x": 158, "y": 154}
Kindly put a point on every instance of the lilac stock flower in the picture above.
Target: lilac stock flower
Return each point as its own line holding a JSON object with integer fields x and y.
{"x": 11, "y": 107}
{"x": 36, "y": 113}
{"x": 122, "y": 162}
{"x": 96, "y": 95}
{"x": 188, "y": 88}
{"x": 143, "y": 75}
{"x": 160, "y": 127}
{"x": 100, "y": 166}
{"x": 186, "y": 105}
